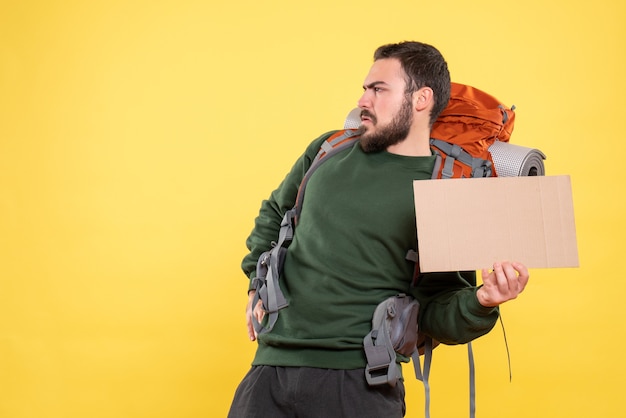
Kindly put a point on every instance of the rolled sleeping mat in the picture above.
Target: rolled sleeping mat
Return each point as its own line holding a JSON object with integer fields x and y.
{"x": 353, "y": 120}
{"x": 513, "y": 160}
{"x": 510, "y": 160}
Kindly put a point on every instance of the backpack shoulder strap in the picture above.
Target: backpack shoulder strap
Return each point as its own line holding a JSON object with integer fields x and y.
{"x": 335, "y": 143}
{"x": 344, "y": 137}
{"x": 270, "y": 263}
{"x": 479, "y": 167}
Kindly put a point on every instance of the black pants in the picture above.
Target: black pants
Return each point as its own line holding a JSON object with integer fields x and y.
{"x": 301, "y": 392}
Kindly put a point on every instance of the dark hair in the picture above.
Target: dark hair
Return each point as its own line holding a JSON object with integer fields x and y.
{"x": 424, "y": 67}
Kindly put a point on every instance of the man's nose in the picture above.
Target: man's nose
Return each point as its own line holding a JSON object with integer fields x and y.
{"x": 364, "y": 102}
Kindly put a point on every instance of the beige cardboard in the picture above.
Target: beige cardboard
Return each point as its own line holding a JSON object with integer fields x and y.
{"x": 468, "y": 224}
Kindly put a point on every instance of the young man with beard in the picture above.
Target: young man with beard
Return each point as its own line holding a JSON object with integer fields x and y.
{"x": 348, "y": 255}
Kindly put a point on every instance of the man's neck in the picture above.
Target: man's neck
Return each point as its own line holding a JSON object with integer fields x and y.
{"x": 414, "y": 145}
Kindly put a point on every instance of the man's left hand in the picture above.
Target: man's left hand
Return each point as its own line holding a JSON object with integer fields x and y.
{"x": 505, "y": 282}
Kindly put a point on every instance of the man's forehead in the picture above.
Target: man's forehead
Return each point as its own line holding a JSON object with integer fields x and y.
{"x": 386, "y": 71}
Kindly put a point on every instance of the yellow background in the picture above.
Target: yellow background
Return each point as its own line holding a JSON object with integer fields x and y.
{"x": 137, "y": 139}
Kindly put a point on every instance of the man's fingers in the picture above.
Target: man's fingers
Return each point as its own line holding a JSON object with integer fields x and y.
{"x": 522, "y": 276}
{"x": 259, "y": 312}
{"x": 511, "y": 276}
{"x": 505, "y": 282}
{"x": 516, "y": 276}
{"x": 250, "y": 324}
{"x": 249, "y": 312}
{"x": 501, "y": 278}
{"x": 251, "y": 331}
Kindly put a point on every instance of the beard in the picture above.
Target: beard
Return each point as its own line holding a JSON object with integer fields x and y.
{"x": 385, "y": 136}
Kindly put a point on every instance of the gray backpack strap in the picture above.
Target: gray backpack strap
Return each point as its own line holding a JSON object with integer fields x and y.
{"x": 480, "y": 167}
{"x": 331, "y": 144}
{"x": 269, "y": 268}
{"x": 381, "y": 365}
{"x": 327, "y": 149}
{"x": 423, "y": 377}
{"x": 437, "y": 165}
{"x": 394, "y": 330}
{"x": 270, "y": 263}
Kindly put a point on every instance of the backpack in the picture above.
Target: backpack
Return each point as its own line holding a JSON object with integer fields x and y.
{"x": 462, "y": 134}
{"x": 460, "y": 140}
{"x": 395, "y": 331}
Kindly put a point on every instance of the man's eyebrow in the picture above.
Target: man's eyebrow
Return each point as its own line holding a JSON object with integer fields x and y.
{"x": 373, "y": 84}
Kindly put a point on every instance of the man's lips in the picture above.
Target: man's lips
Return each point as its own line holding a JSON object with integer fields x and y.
{"x": 367, "y": 117}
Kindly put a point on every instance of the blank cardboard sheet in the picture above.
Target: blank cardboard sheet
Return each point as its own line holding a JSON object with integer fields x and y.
{"x": 468, "y": 224}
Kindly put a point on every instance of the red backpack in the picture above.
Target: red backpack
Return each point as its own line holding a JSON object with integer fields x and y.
{"x": 464, "y": 131}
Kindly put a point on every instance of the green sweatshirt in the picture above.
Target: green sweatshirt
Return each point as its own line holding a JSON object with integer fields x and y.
{"x": 348, "y": 255}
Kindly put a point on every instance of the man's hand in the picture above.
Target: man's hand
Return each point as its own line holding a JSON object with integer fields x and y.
{"x": 258, "y": 313}
{"x": 505, "y": 282}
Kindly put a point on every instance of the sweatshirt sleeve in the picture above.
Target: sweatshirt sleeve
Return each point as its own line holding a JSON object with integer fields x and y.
{"x": 267, "y": 223}
{"x": 449, "y": 309}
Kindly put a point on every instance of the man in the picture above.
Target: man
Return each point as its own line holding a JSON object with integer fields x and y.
{"x": 348, "y": 255}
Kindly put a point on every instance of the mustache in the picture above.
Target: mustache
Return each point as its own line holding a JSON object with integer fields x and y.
{"x": 368, "y": 114}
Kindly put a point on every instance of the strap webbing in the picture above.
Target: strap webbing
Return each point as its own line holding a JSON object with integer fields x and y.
{"x": 480, "y": 167}
{"x": 437, "y": 165}
{"x": 381, "y": 365}
{"x": 268, "y": 275}
{"x": 338, "y": 144}
{"x": 428, "y": 357}
{"x": 270, "y": 263}
{"x": 423, "y": 377}
{"x": 332, "y": 143}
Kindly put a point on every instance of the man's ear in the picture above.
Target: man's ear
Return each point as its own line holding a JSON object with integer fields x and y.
{"x": 423, "y": 99}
